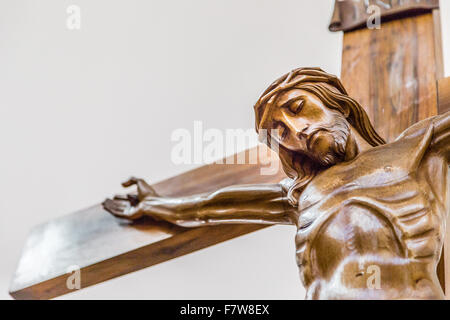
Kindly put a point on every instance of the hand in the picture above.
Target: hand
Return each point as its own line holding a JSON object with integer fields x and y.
{"x": 128, "y": 206}
{"x": 143, "y": 188}
{"x": 122, "y": 209}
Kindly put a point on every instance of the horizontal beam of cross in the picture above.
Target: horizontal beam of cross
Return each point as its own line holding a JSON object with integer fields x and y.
{"x": 104, "y": 247}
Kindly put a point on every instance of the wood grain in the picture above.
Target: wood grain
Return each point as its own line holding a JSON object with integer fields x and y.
{"x": 393, "y": 73}
{"x": 444, "y": 94}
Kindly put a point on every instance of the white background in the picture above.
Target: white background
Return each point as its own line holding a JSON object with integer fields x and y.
{"x": 82, "y": 110}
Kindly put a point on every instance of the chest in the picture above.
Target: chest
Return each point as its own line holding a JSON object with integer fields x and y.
{"x": 383, "y": 179}
{"x": 385, "y": 207}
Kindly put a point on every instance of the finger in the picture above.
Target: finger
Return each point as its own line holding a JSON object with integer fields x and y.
{"x": 132, "y": 196}
{"x": 144, "y": 189}
{"x": 123, "y": 208}
{"x": 118, "y": 214}
{"x": 115, "y": 211}
{"x": 133, "y": 199}
{"x": 116, "y": 207}
{"x": 131, "y": 181}
{"x": 109, "y": 205}
{"x": 117, "y": 204}
{"x": 123, "y": 197}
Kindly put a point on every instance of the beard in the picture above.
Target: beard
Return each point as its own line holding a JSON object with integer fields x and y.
{"x": 327, "y": 143}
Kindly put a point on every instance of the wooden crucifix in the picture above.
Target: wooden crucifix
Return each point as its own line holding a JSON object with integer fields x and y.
{"x": 386, "y": 202}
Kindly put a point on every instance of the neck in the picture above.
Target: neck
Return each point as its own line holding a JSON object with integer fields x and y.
{"x": 355, "y": 145}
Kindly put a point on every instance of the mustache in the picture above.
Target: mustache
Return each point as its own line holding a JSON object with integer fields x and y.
{"x": 338, "y": 130}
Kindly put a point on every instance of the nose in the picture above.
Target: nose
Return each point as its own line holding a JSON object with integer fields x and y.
{"x": 302, "y": 134}
{"x": 297, "y": 126}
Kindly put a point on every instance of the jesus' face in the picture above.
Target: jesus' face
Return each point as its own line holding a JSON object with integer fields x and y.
{"x": 299, "y": 121}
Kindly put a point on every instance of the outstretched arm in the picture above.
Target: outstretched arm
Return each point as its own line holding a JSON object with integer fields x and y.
{"x": 262, "y": 204}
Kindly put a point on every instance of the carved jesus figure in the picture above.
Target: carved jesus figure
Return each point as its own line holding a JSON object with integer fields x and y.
{"x": 360, "y": 205}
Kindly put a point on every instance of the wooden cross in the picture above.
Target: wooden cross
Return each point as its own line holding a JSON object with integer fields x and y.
{"x": 395, "y": 72}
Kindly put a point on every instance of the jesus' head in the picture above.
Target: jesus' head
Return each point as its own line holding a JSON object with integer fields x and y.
{"x": 309, "y": 114}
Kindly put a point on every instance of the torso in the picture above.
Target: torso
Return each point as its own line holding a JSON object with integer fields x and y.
{"x": 373, "y": 227}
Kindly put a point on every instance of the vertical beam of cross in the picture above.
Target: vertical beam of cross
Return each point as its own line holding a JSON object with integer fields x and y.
{"x": 393, "y": 72}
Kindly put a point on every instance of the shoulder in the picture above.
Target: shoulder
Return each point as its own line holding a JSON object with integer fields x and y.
{"x": 417, "y": 130}
{"x": 437, "y": 123}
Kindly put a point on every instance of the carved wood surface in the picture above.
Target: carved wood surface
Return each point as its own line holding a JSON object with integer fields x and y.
{"x": 444, "y": 265}
{"x": 393, "y": 73}
{"x": 444, "y": 95}
{"x": 390, "y": 71}
{"x": 351, "y": 14}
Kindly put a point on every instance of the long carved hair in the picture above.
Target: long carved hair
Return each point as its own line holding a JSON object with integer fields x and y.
{"x": 329, "y": 89}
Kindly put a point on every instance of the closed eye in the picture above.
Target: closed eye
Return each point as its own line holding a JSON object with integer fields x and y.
{"x": 296, "y": 106}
